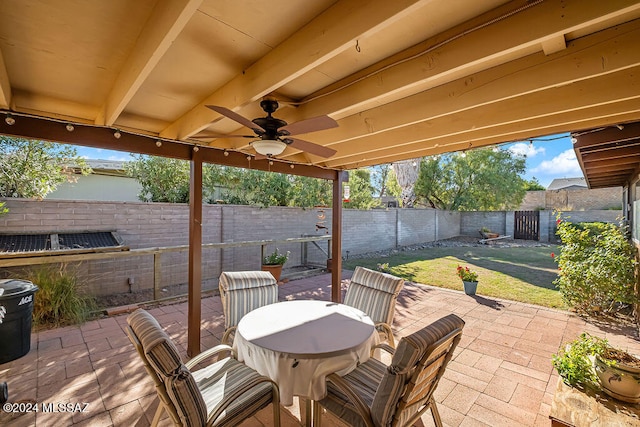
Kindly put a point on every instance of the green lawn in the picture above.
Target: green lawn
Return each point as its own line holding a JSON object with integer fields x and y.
{"x": 523, "y": 274}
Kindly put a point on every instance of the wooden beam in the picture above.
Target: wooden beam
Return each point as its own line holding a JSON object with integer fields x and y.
{"x": 611, "y": 134}
{"x": 336, "y": 241}
{"x": 195, "y": 256}
{"x": 102, "y": 137}
{"x": 329, "y": 34}
{"x": 574, "y": 99}
{"x": 167, "y": 20}
{"x": 489, "y": 46}
{"x": 5, "y": 85}
{"x": 588, "y": 57}
{"x": 540, "y": 127}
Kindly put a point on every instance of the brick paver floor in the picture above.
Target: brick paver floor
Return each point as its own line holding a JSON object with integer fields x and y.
{"x": 501, "y": 373}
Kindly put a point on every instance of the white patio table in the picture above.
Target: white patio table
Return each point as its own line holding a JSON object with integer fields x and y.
{"x": 298, "y": 343}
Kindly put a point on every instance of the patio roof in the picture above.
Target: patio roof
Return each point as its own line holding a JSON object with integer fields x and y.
{"x": 609, "y": 156}
{"x": 403, "y": 79}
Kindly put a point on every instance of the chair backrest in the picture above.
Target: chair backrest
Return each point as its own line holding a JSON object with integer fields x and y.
{"x": 175, "y": 385}
{"x": 375, "y": 293}
{"x": 243, "y": 291}
{"x": 417, "y": 365}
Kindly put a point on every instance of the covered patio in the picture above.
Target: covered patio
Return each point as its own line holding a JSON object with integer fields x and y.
{"x": 501, "y": 374}
{"x": 402, "y": 80}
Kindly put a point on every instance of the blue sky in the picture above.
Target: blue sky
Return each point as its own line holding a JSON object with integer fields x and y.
{"x": 547, "y": 157}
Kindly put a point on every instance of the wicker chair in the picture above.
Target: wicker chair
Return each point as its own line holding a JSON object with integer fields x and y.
{"x": 241, "y": 292}
{"x": 396, "y": 395}
{"x": 375, "y": 293}
{"x": 224, "y": 393}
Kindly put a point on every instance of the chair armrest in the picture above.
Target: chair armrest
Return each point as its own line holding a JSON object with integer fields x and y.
{"x": 209, "y": 353}
{"x": 385, "y": 347}
{"x": 229, "y": 398}
{"x": 343, "y": 386}
{"x": 386, "y": 330}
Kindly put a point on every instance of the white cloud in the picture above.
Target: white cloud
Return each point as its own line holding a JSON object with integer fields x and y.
{"x": 564, "y": 164}
{"x": 119, "y": 158}
{"x": 525, "y": 149}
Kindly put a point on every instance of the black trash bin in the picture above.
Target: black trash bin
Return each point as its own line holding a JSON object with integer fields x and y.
{"x": 16, "y": 309}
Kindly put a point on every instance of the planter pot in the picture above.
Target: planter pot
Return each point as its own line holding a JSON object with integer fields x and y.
{"x": 620, "y": 381}
{"x": 275, "y": 270}
{"x": 470, "y": 287}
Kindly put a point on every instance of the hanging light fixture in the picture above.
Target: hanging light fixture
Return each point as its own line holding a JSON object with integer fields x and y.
{"x": 269, "y": 147}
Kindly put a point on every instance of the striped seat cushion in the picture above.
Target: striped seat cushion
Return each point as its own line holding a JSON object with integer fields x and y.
{"x": 244, "y": 291}
{"x": 185, "y": 396}
{"x": 374, "y": 293}
{"x": 158, "y": 348}
{"x": 411, "y": 349}
{"x": 364, "y": 380}
{"x": 225, "y": 377}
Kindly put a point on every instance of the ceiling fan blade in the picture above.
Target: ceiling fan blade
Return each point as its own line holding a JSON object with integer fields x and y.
{"x": 311, "y": 148}
{"x": 235, "y": 117}
{"x": 310, "y": 125}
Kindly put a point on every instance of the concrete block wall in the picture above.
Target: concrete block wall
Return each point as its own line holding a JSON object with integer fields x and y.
{"x": 368, "y": 231}
{"x": 573, "y": 199}
{"x": 151, "y": 225}
{"x": 472, "y": 222}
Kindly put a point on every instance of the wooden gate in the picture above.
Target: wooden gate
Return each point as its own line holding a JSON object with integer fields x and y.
{"x": 526, "y": 225}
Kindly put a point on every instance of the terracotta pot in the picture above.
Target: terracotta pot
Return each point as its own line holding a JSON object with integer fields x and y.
{"x": 620, "y": 381}
{"x": 275, "y": 270}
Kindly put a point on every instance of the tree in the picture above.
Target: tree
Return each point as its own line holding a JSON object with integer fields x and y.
{"x": 251, "y": 187}
{"x": 393, "y": 188}
{"x": 361, "y": 190}
{"x": 407, "y": 175}
{"x": 33, "y": 169}
{"x": 307, "y": 192}
{"x": 482, "y": 179}
{"x": 162, "y": 179}
{"x": 533, "y": 185}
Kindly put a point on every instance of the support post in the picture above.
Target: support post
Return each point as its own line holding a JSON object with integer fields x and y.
{"x": 195, "y": 256}
{"x": 336, "y": 238}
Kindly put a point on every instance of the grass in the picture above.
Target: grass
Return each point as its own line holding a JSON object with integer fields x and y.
{"x": 524, "y": 274}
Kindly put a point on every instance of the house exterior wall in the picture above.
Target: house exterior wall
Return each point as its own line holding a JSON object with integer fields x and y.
{"x": 98, "y": 187}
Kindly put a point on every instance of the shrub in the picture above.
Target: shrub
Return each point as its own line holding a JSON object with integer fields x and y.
{"x": 59, "y": 299}
{"x": 596, "y": 264}
{"x": 573, "y": 363}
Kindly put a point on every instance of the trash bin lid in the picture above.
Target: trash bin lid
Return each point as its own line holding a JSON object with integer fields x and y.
{"x": 13, "y": 287}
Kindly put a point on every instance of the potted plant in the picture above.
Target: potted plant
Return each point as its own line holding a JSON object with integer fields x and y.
{"x": 273, "y": 263}
{"x": 469, "y": 280}
{"x": 591, "y": 361}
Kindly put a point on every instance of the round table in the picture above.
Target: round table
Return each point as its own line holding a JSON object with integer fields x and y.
{"x": 298, "y": 343}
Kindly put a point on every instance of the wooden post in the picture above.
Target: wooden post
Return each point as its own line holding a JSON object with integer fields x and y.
{"x": 195, "y": 255}
{"x": 157, "y": 274}
{"x": 336, "y": 238}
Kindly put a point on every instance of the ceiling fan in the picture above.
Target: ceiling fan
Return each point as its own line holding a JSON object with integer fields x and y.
{"x": 275, "y": 134}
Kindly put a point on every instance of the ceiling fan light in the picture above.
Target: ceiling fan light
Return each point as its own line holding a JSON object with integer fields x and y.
{"x": 269, "y": 147}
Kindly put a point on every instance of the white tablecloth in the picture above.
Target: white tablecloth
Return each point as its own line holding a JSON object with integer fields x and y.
{"x": 298, "y": 343}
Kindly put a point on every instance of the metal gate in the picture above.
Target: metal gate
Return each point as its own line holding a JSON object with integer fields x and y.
{"x": 526, "y": 225}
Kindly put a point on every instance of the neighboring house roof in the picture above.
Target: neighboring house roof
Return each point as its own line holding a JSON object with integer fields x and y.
{"x": 107, "y": 167}
{"x": 567, "y": 183}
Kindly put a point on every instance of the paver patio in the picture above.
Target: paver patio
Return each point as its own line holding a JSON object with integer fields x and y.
{"x": 501, "y": 374}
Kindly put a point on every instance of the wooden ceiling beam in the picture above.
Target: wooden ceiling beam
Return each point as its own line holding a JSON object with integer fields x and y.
{"x": 498, "y": 43}
{"x": 610, "y": 154}
{"x": 612, "y": 134}
{"x": 492, "y": 136}
{"x": 583, "y": 59}
{"x": 168, "y": 19}
{"x": 5, "y": 85}
{"x": 574, "y": 99}
{"x": 323, "y": 38}
{"x": 615, "y": 162}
